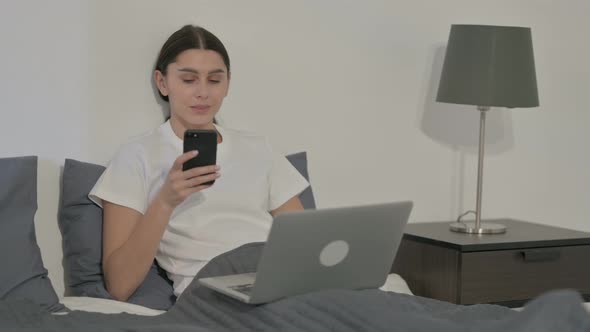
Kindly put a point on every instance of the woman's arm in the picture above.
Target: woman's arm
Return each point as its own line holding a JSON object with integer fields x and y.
{"x": 130, "y": 239}
{"x": 293, "y": 204}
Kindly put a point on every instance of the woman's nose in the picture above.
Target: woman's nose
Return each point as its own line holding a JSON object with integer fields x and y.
{"x": 201, "y": 90}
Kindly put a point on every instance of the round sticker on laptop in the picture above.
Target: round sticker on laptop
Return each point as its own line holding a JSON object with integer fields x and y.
{"x": 334, "y": 253}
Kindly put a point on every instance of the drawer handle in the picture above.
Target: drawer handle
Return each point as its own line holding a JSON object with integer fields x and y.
{"x": 540, "y": 255}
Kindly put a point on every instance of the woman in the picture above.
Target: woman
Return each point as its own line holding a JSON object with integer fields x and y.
{"x": 152, "y": 208}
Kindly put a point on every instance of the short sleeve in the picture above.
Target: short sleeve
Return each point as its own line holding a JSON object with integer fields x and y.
{"x": 284, "y": 180}
{"x": 123, "y": 182}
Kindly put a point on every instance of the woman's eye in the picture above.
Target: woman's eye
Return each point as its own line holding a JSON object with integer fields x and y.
{"x": 188, "y": 80}
{"x": 214, "y": 81}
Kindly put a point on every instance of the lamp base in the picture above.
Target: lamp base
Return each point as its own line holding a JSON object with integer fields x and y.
{"x": 484, "y": 228}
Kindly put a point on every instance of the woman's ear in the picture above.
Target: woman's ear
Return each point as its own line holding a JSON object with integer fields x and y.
{"x": 228, "y": 83}
{"x": 160, "y": 80}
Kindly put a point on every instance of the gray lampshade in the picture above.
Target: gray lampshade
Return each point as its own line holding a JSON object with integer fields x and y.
{"x": 489, "y": 66}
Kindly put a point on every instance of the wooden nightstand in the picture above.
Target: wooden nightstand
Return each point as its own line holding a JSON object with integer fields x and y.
{"x": 507, "y": 269}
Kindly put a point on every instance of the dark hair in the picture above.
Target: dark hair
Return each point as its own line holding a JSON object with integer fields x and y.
{"x": 189, "y": 37}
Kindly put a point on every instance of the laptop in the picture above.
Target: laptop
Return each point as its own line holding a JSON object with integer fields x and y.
{"x": 311, "y": 250}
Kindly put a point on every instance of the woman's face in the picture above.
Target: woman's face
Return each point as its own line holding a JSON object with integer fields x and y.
{"x": 196, "y": 84}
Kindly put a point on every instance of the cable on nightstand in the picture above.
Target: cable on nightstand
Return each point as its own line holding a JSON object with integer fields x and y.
{"x": 463, "y": 215}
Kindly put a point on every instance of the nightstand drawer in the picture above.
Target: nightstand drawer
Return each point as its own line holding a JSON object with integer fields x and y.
{"x": 512, "y": 275}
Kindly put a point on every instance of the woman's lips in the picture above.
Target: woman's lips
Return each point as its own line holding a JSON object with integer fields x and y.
{"x": 200, "y": 108}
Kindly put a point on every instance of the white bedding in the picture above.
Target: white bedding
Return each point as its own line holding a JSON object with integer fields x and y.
{"x": 395, "y": 283}
{"x": 106, "y": 306}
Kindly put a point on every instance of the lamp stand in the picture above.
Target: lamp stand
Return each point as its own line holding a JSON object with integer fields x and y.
{"x": 478, "y": 227}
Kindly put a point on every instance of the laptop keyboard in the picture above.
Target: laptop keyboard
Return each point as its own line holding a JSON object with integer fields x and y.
{"x": 244, "y": 289}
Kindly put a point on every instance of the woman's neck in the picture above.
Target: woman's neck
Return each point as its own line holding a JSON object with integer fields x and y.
{"x": 179, "y": 127}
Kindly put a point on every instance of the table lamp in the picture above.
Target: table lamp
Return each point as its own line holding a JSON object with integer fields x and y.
{"x": 487, "y": 66}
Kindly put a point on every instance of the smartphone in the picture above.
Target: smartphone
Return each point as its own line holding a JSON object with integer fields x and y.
{"x": 204, "y": 141}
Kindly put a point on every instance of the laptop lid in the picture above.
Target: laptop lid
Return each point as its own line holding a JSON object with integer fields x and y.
{"x": 349, "y": 247}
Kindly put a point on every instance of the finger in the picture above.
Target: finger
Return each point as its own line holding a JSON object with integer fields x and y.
{"x": 184, "y": 158}
{"x": 196, "y": 181}
{"x": 198, "y": 171}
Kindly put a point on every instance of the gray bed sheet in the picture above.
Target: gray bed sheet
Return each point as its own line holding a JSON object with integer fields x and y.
{"x": 200, "y": 309}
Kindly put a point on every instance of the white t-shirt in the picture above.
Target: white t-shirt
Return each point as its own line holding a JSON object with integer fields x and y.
{"x": 233, "y": 212}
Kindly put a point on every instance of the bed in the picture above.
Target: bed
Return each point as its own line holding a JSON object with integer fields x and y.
{"x": 28, "y": 300}
{"x": 340, "y": 310}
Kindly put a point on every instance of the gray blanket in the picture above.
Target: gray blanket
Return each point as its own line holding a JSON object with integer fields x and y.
{"x": 200, "y": 309}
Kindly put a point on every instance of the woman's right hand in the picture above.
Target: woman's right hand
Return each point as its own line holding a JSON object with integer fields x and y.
{"x": 180, "y": 184}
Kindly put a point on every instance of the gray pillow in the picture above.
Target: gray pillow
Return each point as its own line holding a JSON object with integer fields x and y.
{"x": 299, "y": 161}
{"x": 23, "y": 275}
{"x": 80, "y": 223}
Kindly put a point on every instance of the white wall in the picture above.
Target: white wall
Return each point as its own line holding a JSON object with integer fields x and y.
{"x": 351, "y": 82}
{"x": 44, "y": 98}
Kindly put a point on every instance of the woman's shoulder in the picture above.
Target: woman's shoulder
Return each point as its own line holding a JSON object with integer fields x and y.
{"x": 245, "y": 137}
{"x": 137, "y": 146}
{"x": 240, "y": 132}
